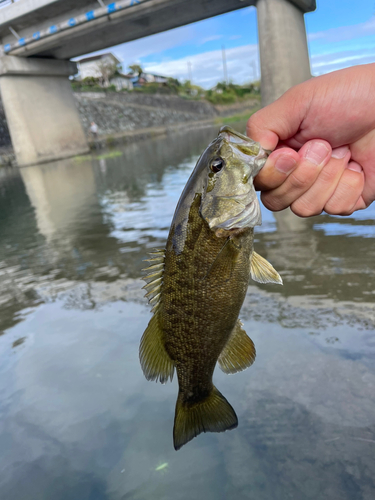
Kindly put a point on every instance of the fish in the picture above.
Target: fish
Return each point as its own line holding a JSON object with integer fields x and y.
{"x": 198, "y": 282}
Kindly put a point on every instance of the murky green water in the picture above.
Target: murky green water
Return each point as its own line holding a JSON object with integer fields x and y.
{"x": 78, "y": 421}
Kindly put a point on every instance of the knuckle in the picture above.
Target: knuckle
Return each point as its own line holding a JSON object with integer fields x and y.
{"x": 327, "y": 175}
{"x": 273, "y": 202}
{"x": 333, "y": 209}
{"x": 303, "y": 208}
{"x": 300, "y": 181}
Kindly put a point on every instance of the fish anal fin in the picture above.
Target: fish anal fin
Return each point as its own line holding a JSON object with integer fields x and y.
{"x": 239, "y": 352}
{"x": 262, "y": 271}
{"x": 155, "y": 361}
{"x": 212, "y": 414}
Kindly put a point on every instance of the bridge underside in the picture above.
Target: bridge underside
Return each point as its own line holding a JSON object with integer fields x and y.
{"x": 138, "y": 21}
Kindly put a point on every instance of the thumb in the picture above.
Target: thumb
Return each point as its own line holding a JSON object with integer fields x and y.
{"x": 282, "y": 119}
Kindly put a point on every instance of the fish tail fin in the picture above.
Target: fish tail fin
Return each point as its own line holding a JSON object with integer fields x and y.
{"x": 212, "y": 414}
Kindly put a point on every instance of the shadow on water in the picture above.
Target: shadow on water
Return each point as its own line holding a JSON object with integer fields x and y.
{"x": 79, "y": 421}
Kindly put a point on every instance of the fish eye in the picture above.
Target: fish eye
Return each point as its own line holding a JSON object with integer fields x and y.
{"x": 216, "y": 165}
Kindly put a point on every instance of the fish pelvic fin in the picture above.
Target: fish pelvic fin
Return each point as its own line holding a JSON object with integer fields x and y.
{"x": 262, "y": 271}
{"x": 239, "y": 352}
{"x": 155, "y": 361}
{"x": 212, "y": 414}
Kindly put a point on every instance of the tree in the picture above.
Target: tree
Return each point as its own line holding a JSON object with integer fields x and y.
{"x": 107, "y": 68}
{"x": 136, "y": 69}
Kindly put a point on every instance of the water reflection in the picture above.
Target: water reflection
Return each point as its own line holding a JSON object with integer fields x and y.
{"x": 79, "y": 421}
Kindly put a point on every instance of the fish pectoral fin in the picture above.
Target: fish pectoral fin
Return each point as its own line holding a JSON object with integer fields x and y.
{"x": 224, "y": 261}
{"x": 262, "y": 271}
{"x": 155, "y": 361}
{"x": 239, "y": 352}
{"x": 212, "y": 414}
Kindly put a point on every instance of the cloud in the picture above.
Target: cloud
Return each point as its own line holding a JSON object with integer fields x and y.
{"x": 325, "y": 63}
{"x": 207, "y": 67}
{"x": 210, "y": 39}
{"x": 131, "y": 52}
{"x": 343, "y": 33}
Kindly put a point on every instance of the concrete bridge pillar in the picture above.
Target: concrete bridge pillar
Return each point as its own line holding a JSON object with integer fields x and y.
{"x": 43, "y": 120}
{"x": 284, "y": 56}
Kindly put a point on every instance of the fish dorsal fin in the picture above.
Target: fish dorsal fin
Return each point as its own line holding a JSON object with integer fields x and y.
{"x": 262, "y": 271}
{"x": 154, "y": 278}
{"x": 239, "y": 352}
{"x": 155, "y": 361}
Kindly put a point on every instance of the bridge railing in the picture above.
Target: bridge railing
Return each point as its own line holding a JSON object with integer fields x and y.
{"x": 4, "y": 3}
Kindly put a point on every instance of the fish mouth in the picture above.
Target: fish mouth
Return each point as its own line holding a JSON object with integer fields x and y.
{"x": 249, "y": 151}
{"x": 233, "y": 136}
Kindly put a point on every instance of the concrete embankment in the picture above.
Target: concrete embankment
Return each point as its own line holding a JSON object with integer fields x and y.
{"x": 124, "y": 117}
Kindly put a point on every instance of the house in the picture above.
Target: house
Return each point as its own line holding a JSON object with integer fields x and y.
{"x": 122, "y": 81}
{"x": 145, "y": 78}
{"x": 92, "y": 66}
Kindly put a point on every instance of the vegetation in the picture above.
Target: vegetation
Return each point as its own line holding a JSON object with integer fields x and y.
{"x": 107, "y": 69}
{"x": 136, "y": 69}
{"x": 222, "y": 93}
{"x": 228, "y": 93}
{"x": 89, "y": 84}
{"x": 226, "y": 120}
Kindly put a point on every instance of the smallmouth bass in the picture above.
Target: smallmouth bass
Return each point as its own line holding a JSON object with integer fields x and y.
{"x": 198, "y": 283}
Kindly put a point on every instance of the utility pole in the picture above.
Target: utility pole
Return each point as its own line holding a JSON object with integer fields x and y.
{"x": 253, "y": 66}
{"x": 190, "y": 73}
{"x": 224, "y": 64}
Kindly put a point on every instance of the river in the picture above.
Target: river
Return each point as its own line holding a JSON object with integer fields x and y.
{"x": 78, "y": 421}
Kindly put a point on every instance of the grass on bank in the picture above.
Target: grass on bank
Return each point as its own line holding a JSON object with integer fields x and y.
{"x": 223, "y": 92}
{"x": 226, "y": 120}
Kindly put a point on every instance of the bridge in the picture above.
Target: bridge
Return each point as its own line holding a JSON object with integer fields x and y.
{"x": 39, "y": 37}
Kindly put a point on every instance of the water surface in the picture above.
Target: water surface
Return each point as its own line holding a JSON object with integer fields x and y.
{"x": 78, "y": 420}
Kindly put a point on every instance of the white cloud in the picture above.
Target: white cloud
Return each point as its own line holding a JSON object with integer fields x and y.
{"x": 343, "y": 33}
{"x": 131, "y": 52}
{"x": 210, "y": 39}
{"x": 207, "y": 67}
{"x": 325, "y": 63}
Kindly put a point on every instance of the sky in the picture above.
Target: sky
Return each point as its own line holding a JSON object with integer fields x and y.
{"x": 340, "y": 33}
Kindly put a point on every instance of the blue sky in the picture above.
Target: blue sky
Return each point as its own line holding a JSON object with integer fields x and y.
{"x": 340, "y": 33}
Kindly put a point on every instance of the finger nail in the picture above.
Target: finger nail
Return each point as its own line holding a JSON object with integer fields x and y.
{"x": 316, "y": 152}
{"x": 355, "y": 166}
{"x": 340, "y": 153}
{"x": 285, "y": 164}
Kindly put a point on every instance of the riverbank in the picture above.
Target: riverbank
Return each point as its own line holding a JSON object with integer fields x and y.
{"x": 129, "y": 117}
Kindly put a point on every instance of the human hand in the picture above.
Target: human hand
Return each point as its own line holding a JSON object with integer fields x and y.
{"x": 331, "y": 111}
